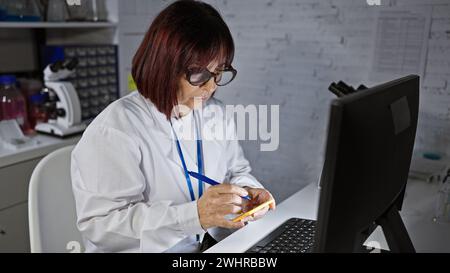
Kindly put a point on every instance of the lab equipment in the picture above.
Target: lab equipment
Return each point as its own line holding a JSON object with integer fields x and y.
{"x": 209, "y": 181}
{"x": 12, "y": 103}
{"x": 80, "y": 12}
{"x": 427, "y": 166}
{"x": 341, "y": 89}
{"x": 31, "y": 89}
{"x": 96, "y": 78}
{"x": 22, "y": 10}
{"x": 57, "y": 11}
{"x": 99, "y": 10}
{"x": 369, "y": 147}
{"x": 88, "y": 10}
{"x": 443, "y": 201}
{"x": 37, "y": 108}
{"x": 65, "y": 118}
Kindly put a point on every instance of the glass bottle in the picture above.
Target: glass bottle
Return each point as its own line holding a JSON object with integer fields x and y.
{"x": 23, "y": 10}
{"x": 31, "y": 89}
{"x": 13, "y": 104}
{"x": 88, "y": 10}
{"x": 57, "y": 11}
{"x": 37, "y": 108}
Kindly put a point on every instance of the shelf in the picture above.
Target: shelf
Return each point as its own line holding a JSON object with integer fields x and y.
{"x": 57, "y": 25}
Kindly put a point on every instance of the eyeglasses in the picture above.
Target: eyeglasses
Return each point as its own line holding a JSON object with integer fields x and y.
{"x": 200, "y": 76}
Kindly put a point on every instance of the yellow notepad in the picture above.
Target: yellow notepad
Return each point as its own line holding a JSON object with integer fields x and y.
{"x": 250, "y": 212}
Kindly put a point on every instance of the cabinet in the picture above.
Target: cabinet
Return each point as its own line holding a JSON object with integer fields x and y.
{"x": 14, "y": 182}
{"x": 16, "y": 168}
{"x": 13, "y": 206}
{"x": 14, "y": 236}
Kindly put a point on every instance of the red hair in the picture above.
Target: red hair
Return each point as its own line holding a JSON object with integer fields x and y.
{"x": 184, "y": 34}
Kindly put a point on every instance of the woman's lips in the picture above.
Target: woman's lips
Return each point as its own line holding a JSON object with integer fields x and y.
{"x": 204, "y": 96}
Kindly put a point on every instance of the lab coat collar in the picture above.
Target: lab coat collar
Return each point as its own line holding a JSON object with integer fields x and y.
{"x": 163, "y": 130}
{"x": 161, "y": 124}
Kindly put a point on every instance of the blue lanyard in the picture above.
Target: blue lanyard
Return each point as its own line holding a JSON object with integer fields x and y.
{"x": 199, "y": 161}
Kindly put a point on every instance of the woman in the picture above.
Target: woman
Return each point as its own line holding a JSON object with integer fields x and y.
{"x": 130, "y": 169}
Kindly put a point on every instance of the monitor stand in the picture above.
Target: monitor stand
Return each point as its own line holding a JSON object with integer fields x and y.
{"x": 394, "y": 231}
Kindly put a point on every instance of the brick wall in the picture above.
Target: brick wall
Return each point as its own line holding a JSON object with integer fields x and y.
{"x": 289, "y": 51}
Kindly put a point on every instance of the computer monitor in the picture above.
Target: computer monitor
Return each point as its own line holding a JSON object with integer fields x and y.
{"x": 368, "y": 154}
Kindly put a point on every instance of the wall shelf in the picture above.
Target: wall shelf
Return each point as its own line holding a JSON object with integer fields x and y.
{"x": 58, "y": 25}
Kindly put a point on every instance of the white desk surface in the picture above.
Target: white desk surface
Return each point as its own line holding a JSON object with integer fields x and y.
{"x": 417, "y": 214}
{"x": 46, "y": 145}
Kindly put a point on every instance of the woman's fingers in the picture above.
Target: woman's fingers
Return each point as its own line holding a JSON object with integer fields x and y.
{"x": 228, "y": 188}
{"x": 262, "y": 196}
{"x": 222, "y": 200}
{"x": 257, "y": 215}
{"x": 248, "y": 218}
{"x": 229, "y": 198}
{"x": 273, "y": 205}
{"x": 229, "y": 209}
{"x": 229, "y": 224}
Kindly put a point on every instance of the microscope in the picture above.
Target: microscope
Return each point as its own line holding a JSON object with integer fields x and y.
{"x": 65, "y": 113}
{"x": 341, "y": 89}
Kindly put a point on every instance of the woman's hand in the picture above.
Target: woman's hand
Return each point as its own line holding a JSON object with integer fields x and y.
{"x": 258, "y": 196}
{"x": 219, "y": 201}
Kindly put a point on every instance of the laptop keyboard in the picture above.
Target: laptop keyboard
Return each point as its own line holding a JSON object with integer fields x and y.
{"x": 293, "y": 236}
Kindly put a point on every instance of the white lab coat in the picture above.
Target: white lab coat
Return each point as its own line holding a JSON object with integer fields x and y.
{"x": 128, "y": 182}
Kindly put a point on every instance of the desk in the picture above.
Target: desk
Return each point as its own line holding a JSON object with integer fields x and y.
{"x": 417, "y": 214}
{"x": 46, "y": 145}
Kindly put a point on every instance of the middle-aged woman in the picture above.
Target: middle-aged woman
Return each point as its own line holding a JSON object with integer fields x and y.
{"x": 130, "y": 169}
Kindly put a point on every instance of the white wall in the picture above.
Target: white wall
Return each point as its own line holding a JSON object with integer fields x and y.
{"x": 289, "y": 51}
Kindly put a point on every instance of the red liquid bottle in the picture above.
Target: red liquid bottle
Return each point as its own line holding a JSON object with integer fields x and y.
{"x": 13, "y": 104}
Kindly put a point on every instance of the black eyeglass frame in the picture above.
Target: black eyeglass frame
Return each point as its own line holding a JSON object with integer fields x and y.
{"x": 189, "y": 73}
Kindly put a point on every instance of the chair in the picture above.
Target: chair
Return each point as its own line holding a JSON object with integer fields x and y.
{"x": 51, "y": 205}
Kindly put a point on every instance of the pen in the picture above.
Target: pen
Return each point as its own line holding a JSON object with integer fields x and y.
{"x": 210, "y": 181}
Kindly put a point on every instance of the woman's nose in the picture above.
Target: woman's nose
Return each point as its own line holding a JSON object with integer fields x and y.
{"x": 210, "y": 85}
